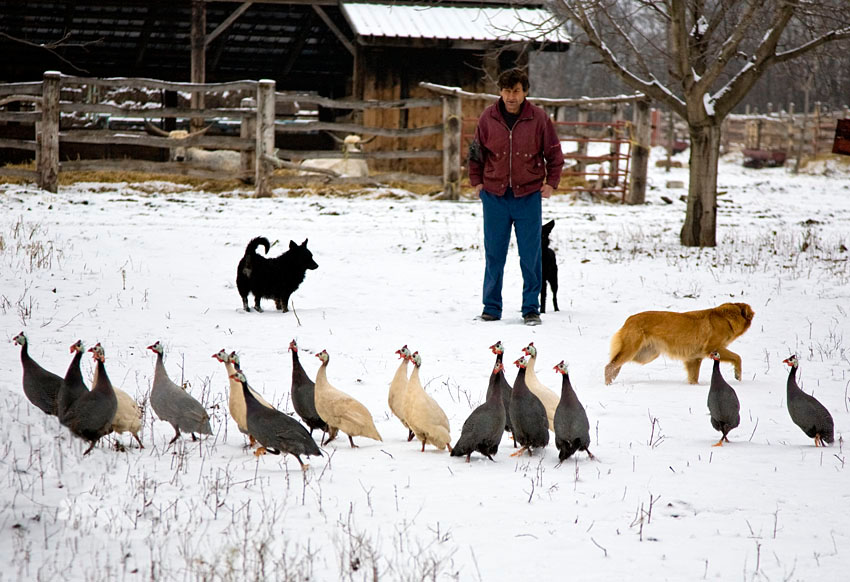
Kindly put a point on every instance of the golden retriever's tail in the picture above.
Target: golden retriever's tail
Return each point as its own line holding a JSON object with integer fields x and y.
{"x": 616, "y": 352}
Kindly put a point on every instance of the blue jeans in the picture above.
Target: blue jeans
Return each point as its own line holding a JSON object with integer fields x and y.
{"x": 526, "y": 216}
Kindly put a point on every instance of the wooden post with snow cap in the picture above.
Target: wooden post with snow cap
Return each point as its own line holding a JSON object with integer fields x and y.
{"x": 452, "y": 124}
{"x": 640, "y": 153}
{"x": 47, "y": 136}
{"x": 247, "y": 130}
{"x": 265, "y": 138}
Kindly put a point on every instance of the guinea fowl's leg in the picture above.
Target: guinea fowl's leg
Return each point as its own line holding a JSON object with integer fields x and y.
{"x": 303, "y": 466}
{"x": 818, "y": 441}
{"x": 470, "y": 455}
{"x": 449, "y": 446}
{"x": 260, "y": 451}
{"x": 138, "y": 440}
{"x": 423, "y": 447}
{"x": 718, "y": 443}
{"x": 331, "y": 436}
{"x": 251, "y": 441}
{"x": 519, "y": 452}
{"x": 410, "y": 435}
{"x": 88, "y": 450}
{"x": 176, "y": 436}
{"x": 194, "y": 438}
{"x": 589, "y": 454}
{"x": 351, "y": 440}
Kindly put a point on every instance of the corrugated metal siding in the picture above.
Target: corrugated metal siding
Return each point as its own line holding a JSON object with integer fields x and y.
{"x": 453, "y": 23}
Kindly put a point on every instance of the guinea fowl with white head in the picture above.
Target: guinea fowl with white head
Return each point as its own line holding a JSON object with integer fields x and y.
{"x": 723, "y": 404}
{"x": 277, "y": 432}
{"x": 528, "y": 415}
{"x": 235, "y": 400}
{"x": 806, "y": 411}
{"x": 41, "y": 387}
{"x": 547, "y": 397}
{"x": 398, "y": 390}
{"x": 72, "y": 387}
{"x": 341, "y": 411}
{"x": 572, "y": 429}
{"x": 128, "y": 415}
{"x": 89, "y": 416}
{"x": 424, "y": 416}
{"x": 504, "y": 385}
{"x": 173, "y": 404}
{"x": 482, "y": 430}
{"x": 303, "y": 393}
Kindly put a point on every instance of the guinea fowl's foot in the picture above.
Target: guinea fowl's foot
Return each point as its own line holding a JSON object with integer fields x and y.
{"x": 176, "y": 436}
{"x": 589, "y": 455}
{"x": 818, "y": 441}
{"x": 138, "y": 440}
{"x": 468, "y": 457}
{"x": 448, "y": 446}
{"x": 251, "y": 441}
{"x": 422, "y": 450}
{"x": 718, "y": 443}
{"x": 304, "y": 466}
{"x": 519, "y": 452}
{"x": 353, "y": 446}
{"x": 331, "y": 436}
{"x": 260, "y": 452}
{"x": 88, "y": 450}
{"x": 194, "y": 438}
{"x": 410, "y": 435}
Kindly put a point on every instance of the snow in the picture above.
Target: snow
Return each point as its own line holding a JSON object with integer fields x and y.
{"x": 129, "y": 264}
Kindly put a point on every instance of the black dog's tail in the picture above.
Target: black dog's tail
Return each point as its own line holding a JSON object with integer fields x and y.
{"x": 251, "y": 249}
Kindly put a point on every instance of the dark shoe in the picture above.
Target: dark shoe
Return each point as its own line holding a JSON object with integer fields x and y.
{"x": 488, "y": 317}
{"x": 531, "y": 319}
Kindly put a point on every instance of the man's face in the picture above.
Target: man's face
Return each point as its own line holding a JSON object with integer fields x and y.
{"x": 513, "y": 97}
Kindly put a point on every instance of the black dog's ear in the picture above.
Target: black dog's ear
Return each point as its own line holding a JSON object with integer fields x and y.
{"x": 547, "y": 228}
{"x": 304, "y": 244}
{"x": 292, "y": 245}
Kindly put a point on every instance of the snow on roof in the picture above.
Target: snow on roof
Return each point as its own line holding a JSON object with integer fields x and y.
{"x": 454, "y": 23}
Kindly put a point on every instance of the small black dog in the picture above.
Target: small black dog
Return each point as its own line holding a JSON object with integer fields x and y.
{"x": 550, "y": 268}
{"x": 275, "y": 278}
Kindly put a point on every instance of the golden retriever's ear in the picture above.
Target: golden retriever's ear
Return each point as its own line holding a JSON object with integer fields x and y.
{"x": 746, "y": 311}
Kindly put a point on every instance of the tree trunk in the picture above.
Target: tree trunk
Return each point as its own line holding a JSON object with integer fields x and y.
{"x": 700, "y": 228}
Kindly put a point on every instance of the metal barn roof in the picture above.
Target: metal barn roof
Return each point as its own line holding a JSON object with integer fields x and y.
{"x": 459, "y": 23}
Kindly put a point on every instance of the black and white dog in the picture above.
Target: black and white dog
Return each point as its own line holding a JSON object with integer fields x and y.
{"x": 276, "y": 278}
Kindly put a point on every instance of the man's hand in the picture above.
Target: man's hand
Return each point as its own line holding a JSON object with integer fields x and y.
{"x": 546, "y": 191}
{"x": 478, "y": 188}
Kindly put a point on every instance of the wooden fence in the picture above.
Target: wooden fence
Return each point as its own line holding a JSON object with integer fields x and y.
{"x": 54, "y": 111}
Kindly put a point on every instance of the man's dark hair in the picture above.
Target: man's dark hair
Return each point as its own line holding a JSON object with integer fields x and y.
{"x": 508, "y": 79}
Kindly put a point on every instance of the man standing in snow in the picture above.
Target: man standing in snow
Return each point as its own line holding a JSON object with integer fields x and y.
{"x": 515, "y": 160}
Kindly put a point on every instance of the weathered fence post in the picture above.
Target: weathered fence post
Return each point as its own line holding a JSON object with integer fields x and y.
{"x": 47, "y": 156}
{"x": 452, "y": 124}
{"x": 581, "y": 146}
{"x": 616, "y": 117}
{"x": 640, "y": 153}
{"x": 247, "y": 130}
{"x": 265, "y": 138}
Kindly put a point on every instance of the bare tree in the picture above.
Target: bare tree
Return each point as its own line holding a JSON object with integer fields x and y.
{"x": 701, "y": 58}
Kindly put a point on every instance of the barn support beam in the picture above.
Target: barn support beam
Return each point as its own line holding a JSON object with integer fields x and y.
{"x": 452, "y": 112}
{"x": 248, "y": 130}
{"x": 334, "y": 29}
{"x": 226, "y": 24}
{"x": 640, "y": 153}
{"x": 198, "y": 71}
{"x": 47, "y": 133}
{"x": 264, "y": 148}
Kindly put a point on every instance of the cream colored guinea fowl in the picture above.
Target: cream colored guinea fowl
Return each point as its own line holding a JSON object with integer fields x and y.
{"x": 236, "y": 400}
{"x": 424, "y": 416}
{"x": 398, "y": 390}
{"x": 547, "y": 397}
{"x": 128, "y": 415}
{"x": 339, "y": 410}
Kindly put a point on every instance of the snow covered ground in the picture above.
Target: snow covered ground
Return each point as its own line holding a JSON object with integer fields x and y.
{"x": 130, "y": 264}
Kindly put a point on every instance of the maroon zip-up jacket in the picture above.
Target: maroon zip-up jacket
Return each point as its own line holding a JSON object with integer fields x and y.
{"x": 522, "y": 158}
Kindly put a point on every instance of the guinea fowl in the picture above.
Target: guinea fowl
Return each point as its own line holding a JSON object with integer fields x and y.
{"x": 572, "y": 430}
{"x": 89, "y": 416}
{"x": 547, "y": 397}
{"x": 72, "y": 387}
{"x": 424, "y": 416}
{"x": 806, "y": 411}
{"x": 303, "y": 393}
{"x": 277, "y": 432}
{"x": 236, "y": 401}
{"x": 398, "y": 390}
{"x": 341, "y": 411}
{"x": 482, "y": 430}
{"x": 41, "y": 387}
{"x": 528, "y": 415}
{"x": 505, "y": 386}
{"x": 173, "y": 404}
{"x": 723, "y": 403}
{"x": 128, "y": 416}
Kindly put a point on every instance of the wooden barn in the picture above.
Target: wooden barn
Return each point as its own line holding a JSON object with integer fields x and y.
{"x": 333, "y": 48}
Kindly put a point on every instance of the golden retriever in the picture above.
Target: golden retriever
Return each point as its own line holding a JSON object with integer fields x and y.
{"x": 689, "y": 336}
